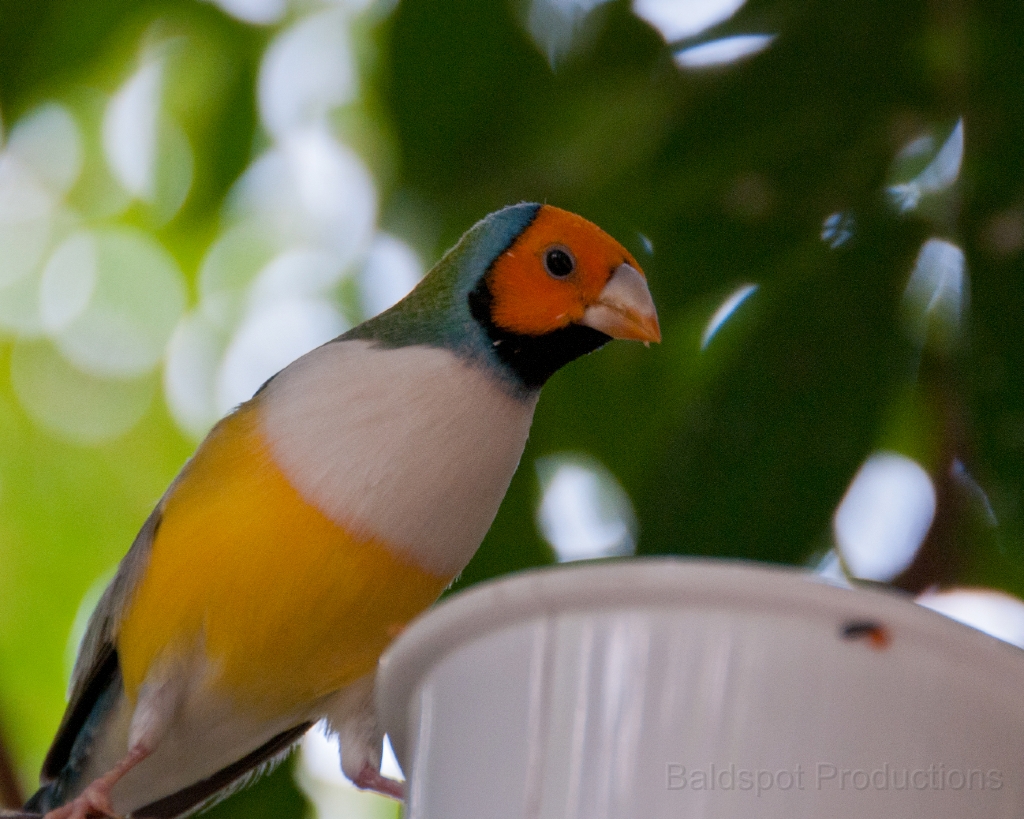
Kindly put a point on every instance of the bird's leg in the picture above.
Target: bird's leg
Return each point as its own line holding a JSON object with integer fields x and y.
{"x": 370, "y": 779}
{"x": 351, "y": 714}
{"x": 94, "y": 801}
{"x": 156, "y": 705}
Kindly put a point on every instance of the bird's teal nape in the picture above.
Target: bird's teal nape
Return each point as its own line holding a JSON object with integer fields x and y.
{"x": 432, "y": 314}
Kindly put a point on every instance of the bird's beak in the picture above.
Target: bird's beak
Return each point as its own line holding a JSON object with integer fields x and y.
{"x": 625, "y": 308}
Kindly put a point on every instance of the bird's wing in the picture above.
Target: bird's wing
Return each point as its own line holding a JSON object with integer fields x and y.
{"x": 96, "y": 690}
{"x": 97, "y": 668}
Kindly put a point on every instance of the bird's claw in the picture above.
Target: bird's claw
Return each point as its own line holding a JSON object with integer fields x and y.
{"x": 370, "y": 779}
{"x": 92, "y": 803}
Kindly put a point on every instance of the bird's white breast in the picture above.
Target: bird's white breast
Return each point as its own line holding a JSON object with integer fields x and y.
{"x": 414, "y": 445}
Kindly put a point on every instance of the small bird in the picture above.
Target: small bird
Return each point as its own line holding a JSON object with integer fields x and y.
{"x": 320, "y": 516}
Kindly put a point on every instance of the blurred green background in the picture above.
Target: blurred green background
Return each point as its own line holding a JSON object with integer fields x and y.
{"x": 826, "y": 196}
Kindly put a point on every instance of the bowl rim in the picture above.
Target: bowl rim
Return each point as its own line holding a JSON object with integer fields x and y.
{"x": 682, "y": 583}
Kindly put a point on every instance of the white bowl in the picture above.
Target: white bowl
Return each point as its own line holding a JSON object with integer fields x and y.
{"x": 663, "y": 687}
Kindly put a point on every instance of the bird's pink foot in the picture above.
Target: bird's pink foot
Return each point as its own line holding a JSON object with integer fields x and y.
{"x": 370, "y": 779}
{"x": 92, "y": 803}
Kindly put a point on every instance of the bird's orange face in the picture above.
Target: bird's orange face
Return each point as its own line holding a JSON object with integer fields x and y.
{"x": 565, "y": 270}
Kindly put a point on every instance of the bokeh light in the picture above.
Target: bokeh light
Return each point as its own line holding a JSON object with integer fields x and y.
{"x": 391, "y": 270}
{"x": 147, "y": 151}
{"x": 678, "y": 21}
{"x": 559, "y": 26}
{"x": 307, "y": 71}
{"x": 257, "y": 12}
{"x": 725, "y": 51}
{"x": 838, "y": 229}
{"x": 584, "y": 512}
{"x": 884, "y": 516}
{"x": 938, "y": 175}
{"x": 994, "y": 612}
{"x": 725, "y": 311}
{"x": 936, "y": 297}
{"x": 110, "y": 300}
{"x": 83, "y": 408}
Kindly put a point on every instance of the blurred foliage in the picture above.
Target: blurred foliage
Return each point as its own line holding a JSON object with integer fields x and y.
{"x": 713, "y": 178}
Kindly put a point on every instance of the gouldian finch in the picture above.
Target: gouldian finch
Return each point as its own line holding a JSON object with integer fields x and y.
{"x": 320, "y": 516}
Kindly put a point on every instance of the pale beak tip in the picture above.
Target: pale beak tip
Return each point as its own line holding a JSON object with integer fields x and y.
{"x": 655, "y": 332}
{"x": 625, "y": 308}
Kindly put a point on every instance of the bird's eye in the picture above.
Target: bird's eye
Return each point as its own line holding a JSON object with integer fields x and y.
{"x": 558, "y": 261}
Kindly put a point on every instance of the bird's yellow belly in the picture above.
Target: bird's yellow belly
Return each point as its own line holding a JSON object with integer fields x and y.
{"x": 282, "y": 604}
